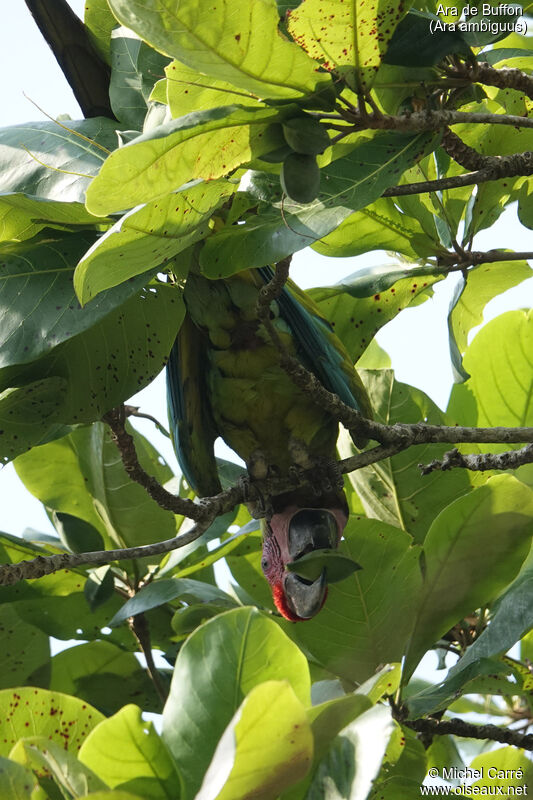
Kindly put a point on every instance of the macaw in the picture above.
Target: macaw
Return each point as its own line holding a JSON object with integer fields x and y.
{"x": 224, "y": 379}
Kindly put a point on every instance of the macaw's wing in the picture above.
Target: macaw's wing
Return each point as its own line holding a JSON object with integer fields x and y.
{"x": 191, "y": 422}
{"x": 320, "y": 349}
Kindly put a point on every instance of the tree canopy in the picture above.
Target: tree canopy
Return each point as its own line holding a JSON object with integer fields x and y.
{"x": 216, "y": 138}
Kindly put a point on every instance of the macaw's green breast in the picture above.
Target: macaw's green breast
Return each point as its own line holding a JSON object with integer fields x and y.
{"x": 255, "y": 405}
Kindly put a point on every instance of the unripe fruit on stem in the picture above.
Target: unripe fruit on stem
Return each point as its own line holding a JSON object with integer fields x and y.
{"x": 300, "y": 177}
{"x": 306, "y": 135}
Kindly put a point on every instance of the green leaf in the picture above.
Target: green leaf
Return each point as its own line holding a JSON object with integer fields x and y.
{"x": 23, "y": 216}
{"x": 99, "y": 21}
{"x": 379, "y": 226}
{"x": 416, "y": 44}
{"x": 470, "y": 298}
{"x": 403, "y": 769}
{"x": 28, "y": 416}
{"x": 105, "y": 676}
{"x": 40, "y": 753}
{"x": 348, "y": 184}
{"x": 99, "y": 586}
{"x": 267, "y": 746}
{"x": 220, "y": 663}
{"x": 505, "y": 767}
{"x": 329, "y": 718}
{"x": 144, "y": 767}
{"x": 38, "y": 306}
{"x": 355, "y": 758}
{"x": 362, "y": 303}
{"x": 461, "y": 682}
{"x": 367, "y": 618}
{"x": 342, "y": 34}
{"x": 500, "y": 362}
{"x": 147, "y": 237}
{"x": 135, "y": 67}
{"x": 164, "y": 590}
{"x": 203, "y": 144}
{"x": 459, "y": 575}
{"x": 96, "y": 481}
{"x": 311, "y": 565}
{"x": 189, "y": 90}
{"x": 108, "y": 363}
{"x": 511, "y": 620}
{"x": 487, "y": 28}
{"x": 38, "y": 712}
{"x": 23, "y": 648}
{"x": 19, "y": 783}
{"x": 393, "y": 489}
{"x": 46, "y": 159}
{"x": 76, "y": 534}
{"x": 236, "y": 42}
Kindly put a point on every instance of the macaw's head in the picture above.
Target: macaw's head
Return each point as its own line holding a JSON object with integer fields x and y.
{"x": 288, "y": 536}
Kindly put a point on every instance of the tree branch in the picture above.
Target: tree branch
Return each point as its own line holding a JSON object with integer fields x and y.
{"x": 482, "y": 72}
{"x": 87, "y": 74}
{"x": 519, "y": 164}
{"x": 462, "y": 153}
{"x": 140, "y": 629}
{"x": 458, "y": 727}
{"x": 429, "y": 120}
{"x": 480, "y": 462}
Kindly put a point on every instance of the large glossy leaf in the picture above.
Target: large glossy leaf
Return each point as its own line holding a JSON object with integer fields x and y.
{"x": 393, "y": 490}
{"x": 379, "y": 226}
{"x": 104, "y": 675}
{"x": 164, "y": 590}
{"x": 22, "y": 216}
{"x": 471, "y": 296}
{"x": 135, "y": 68}
{"x": 37, "y": 712}
{"x": 512, "y": 618}
{"x": 267, "y": 746}
{"x": 23, "y": 648}
{"x": 46, "y": 159}
{"x": 40, "y": 753}
{"x": 147, "y": 237}
{"x": 189, "y": 90}
{"x": 505, "y": 767}
{"x": 28, "y": 416}
{"x": 204, "y": 144}
{"x": 459, "y": 574}
{"x": 126, "y": 752}
{"x": 19, "y": 783}
{"x": 500, "y": 362}
{"x": 354, "y": 758}
{"x": 38, "y": 307}
{"x": 56, "y": 603}
{"x": 106, "y": 364}
{"x": 235, "y": 41}
{"x": 362, "y": 303}
{"x": 340, "y": 34}
{"x": 99, "y": 21}
{"x": 367, "y": 618}
{"x": 217, "y": 667}
{"x": 347, "y": 184}
{"x": 417, "y": 43}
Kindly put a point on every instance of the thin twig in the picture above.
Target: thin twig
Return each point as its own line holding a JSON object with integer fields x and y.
{"x": 480, "y": 462}
{"x": 458, "y": 727}
{"x": 140, "y": 629}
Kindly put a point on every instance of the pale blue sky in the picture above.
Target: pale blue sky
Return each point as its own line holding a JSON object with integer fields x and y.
{"x": 416, "y": 340}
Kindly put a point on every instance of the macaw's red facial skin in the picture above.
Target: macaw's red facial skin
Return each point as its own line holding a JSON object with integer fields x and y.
{"x": 290, "y": 534}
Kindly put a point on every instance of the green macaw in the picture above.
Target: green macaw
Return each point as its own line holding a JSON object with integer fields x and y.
{"x": 224, "y": 379}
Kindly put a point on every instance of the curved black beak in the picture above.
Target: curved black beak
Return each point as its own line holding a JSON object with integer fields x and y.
{"x": 305, "y": 598}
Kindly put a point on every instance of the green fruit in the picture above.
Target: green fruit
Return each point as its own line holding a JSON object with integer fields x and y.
{"x": 277, "y": 155}
{"x": 306, "y": 135}
{"x": 300, "y": 177}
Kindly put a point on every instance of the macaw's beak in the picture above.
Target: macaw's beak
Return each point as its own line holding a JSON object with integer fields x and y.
{"x": 305, "y": 598}
{"x": 309, "y": 529}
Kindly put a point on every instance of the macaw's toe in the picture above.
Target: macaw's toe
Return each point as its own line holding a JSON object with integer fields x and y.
{"x": 305, "y": 598}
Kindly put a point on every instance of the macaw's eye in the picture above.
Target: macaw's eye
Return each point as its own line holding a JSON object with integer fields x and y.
{"x": 265, "y": 564}
{"x": 312, "y": 529}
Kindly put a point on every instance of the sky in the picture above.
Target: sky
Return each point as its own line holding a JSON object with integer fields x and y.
{"x": 416, "y": 340}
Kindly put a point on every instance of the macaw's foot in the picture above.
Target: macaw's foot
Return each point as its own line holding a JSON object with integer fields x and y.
{"x": 325, "y": 476}
{"x": 257, "y": 503}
